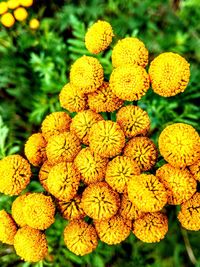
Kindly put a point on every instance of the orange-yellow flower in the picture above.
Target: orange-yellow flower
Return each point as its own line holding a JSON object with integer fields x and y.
{"x": 133, "y": 120}
{"x": 195, "y": 170}
{"x": 180, "y": 184}
{"x": 99, "y": 201}
{"x": 7, "y": 20}
{"x": 130, "y": 51}
{"x": 151, "y": 227}
{"x": 169, "y": 74}
{"x": 3, "y": 7}
{"x": 129, "y": 82}
{"x": 20, "y": 14}
{"x": 143, "y": 151}
{"x": 86, "y": 74}
{"x": 179, "y": 145}
{"x": 106, "y": 139}
{"x": 113, "y": 231}
{"x": 80, "y": 237}
{"x": 13, "y": 4}
{"x": 44, "y": 173}
{"x": 147, "y": 193}
{"x": 119, "y": 171}
{"x": 189, "y": 216}
{"x": 34, "y": 24}
{"x": 82, "y": 123}
{"x": 26, "y": 3}
{"x": 17, "y": 210}
{"x": 8, "y": 228}
{"x": 15, "y": 174}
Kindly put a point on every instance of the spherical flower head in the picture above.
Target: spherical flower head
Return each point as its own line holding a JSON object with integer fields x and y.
{"x": 63, "y": 181}
{"x": 179, "y": 183}
{"x": 130, "y": 51}
{"x": 86, "y": 74}
{"x": 119, "y": 171}
{"x": 147, "y": 193}
{"x": 71, "y": 210}
{"x": 44, "y": 173}
{"x": 195, "y": 170}
{"x": 106, "y": 139}
{"x": 55, "y": 123}
{"x": 20, "y": 14}
{"x": 82, "y": 123}
{"x": 15, "y": 174}
{"x": 63, "y": 147}
{"x": 17, "y": 210}
{"x": 179, "y": 144}
{"x": 13, "y": 4}
{"x": 35, "y": 149}
{"x": 103, "y": 100}
{"x": 113, "y": 231}
{"x": 72, "y": 99}
{"x": 189, "y": 216}
{"x": 143, "y": 151}
{"x": 169, "y": 74}
{"x": 30, "y": 244}
{"x": 151, "y": 227}
{"x": 34, "y": 24}
{"x": 3, "y": 7}
{"x": 99, "y": 201}
{"x": 80, "y": 237}
{"x": 39, "y": 211}
{"x": 129, "y": 82}
{"x": 91, "y": 166}
{"x": 26, "y": 3}
{"x": 7, "y": 20}
{"x": 98, "y": 37}
{"x": 133, "y": 120}
{"x": 8, "y": 228}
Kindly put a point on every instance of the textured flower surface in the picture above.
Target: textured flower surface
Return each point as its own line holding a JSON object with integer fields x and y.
{"x": 195, "y": 170}
{"x": 179, "y": 144}
{"x": 7, "y": 20}
{"x": 114, "y": 230}
{"x": 151, "y": 227}
{"x": 17, "y": 210}
{"x": 119, "y": 171}
{"x": 44, "y": 173}
{"x": 8, "y": 228}
{"x": 80, "y": 237}
{"x": 133, "y": 120}
{"x": 98, "y": 37}
{"x": 15, "y": 174}
{"x": 189, "y": 216}
{"x": 147, "y": 192}
{"x": 20, "y": 14}
{"x": 86, "y": 74}
{"x": 106, "y": 139}
{"x": 30, "y": 244}
{"x": 99, "y": 201}
{"x": 169, "y": 74}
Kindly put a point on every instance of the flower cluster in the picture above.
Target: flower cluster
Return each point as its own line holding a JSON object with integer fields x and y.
{"x": 92, "y": 167}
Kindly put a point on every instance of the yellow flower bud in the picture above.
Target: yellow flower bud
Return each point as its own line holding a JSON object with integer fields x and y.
{"x": 7, "y": 20}
{"x": 3, "y": 7}
{"x": 20, "y": 14}
{"x": 34, "y": 24}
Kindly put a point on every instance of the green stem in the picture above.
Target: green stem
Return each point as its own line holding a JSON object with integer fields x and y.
{"x": 188, "y": 247}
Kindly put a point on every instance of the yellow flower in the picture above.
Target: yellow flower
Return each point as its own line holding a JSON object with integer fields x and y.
{"x": 195, "y": 170}
{"x": 30, "y": 244}
{"x": 63, "y": 181}
{"x": 55, "y": 123}
{"x": 63, "y": 147}
{"x": 129, "y": 82}
{"x": 82, "y": 123}
{"x": 7, "y": 20}
{"x": 103, "y": 100}
{"x": 38, "y": 211}
{"x": 13, "y": 4}
{"x": 98, "y": 37}
{"x": 8, "y": 228}
{"x": 35, "y": 149}
{"x": 119, "y": 171}
{"x": 3, "y": 8}
{"x": 179, "y": 145}
{"x": 133, "y": 121}
{"x": 99, "y": 201}
{"x": 91, "y": 166}
{"x": 15, "y": 174}
{"x": 72, "y": 99}
{"x": 80, "y": 237}
{"x": 169, "y": 74}
{"x": 180, "y": 184}
{"x": 17, "y": 210}
{"x": 147, "y": 193}
{"x": 34, "y": 24}
{"x": 151, "y": 227}
{"x": 86, "y": 74}
{"x": 20, "y": 14}
{"x": 143, "y": 151}
{"x": 113, "y": 231}
{"x": 26, "y": 3}
{"x": 130, "y": 51}
{"x": 71, "y": 210}
{"x": 43, "y": 174}
{"x": 106, "y": 139}
{"x": 189, "y": 216}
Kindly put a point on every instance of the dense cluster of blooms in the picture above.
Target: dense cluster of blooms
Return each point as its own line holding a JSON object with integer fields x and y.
{"x": 93, "y": 169}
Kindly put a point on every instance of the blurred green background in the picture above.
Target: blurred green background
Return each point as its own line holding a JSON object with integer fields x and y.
{"x": 34, "y": 66}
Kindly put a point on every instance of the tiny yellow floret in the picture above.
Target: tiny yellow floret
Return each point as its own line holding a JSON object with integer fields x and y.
{"x": 13, "y": 4}
{"x": 3, "y": 7}
{"x": 8, "y": 228}
{"x": 26, "y": 3}
{"x": 7, "y": 20}
{"x": 20, "y": 14}
{"x": 34, "y": 24}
